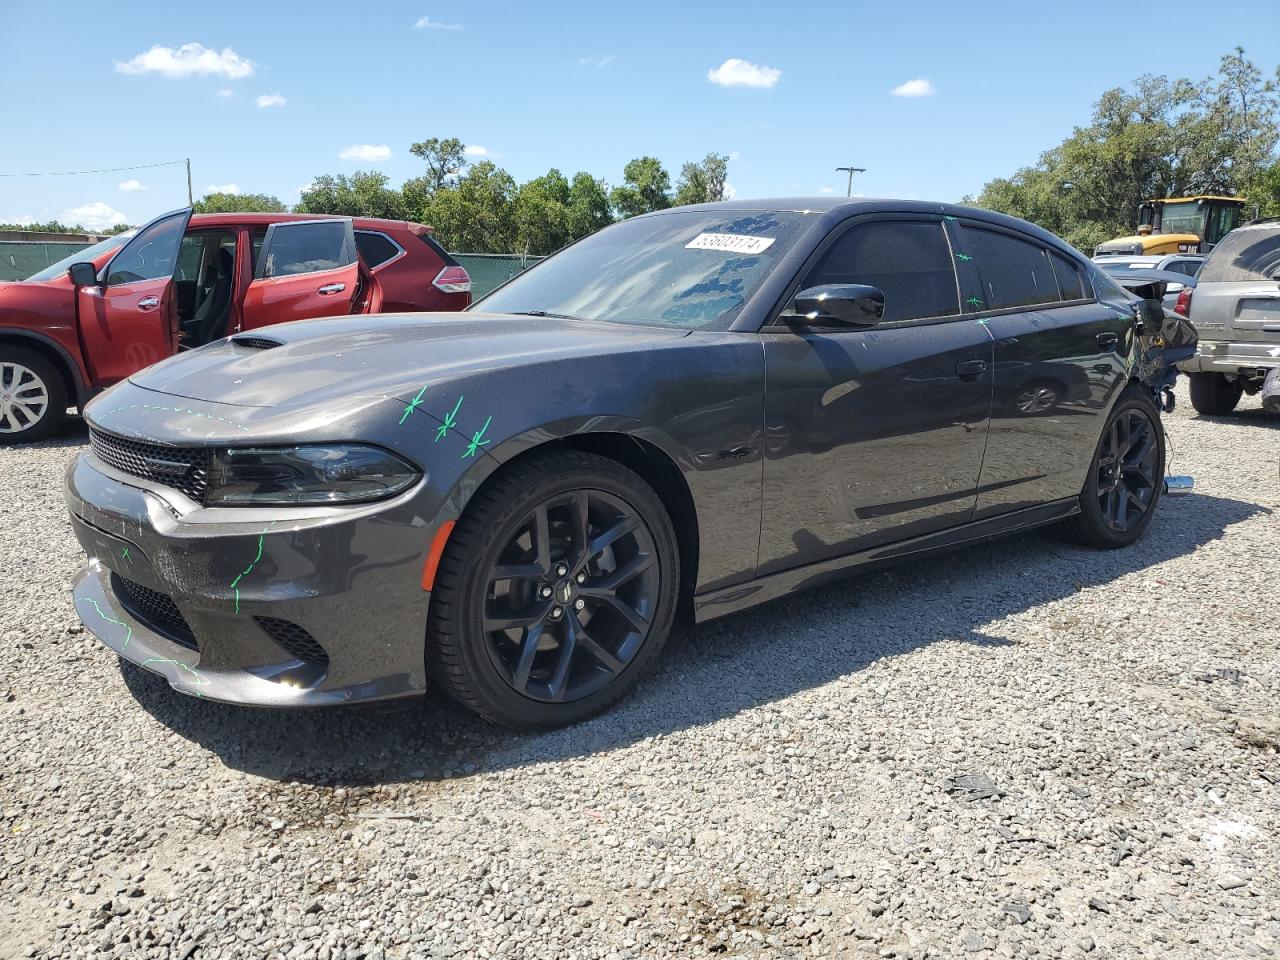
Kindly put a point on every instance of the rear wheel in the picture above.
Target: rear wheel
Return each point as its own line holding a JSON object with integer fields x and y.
{"x": 1213, "y": 394}
{"x": 556, "y": 591}
{"x": 1126, "y": 477}
{"x": 33, "y": 396}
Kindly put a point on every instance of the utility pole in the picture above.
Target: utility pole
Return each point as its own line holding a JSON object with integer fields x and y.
{"x": 852, "y": 170}
{"x": 191, "y": 200}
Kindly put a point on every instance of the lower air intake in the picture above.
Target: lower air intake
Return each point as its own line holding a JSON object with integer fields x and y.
{"x": 296, "y": 640}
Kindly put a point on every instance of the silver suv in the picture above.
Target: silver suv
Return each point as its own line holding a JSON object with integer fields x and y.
{"x": 1236, "y": 312}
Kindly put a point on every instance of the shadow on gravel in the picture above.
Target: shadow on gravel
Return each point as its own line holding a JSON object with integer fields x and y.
{"x": 709, "y": 672}
{"x": 1251, "y": 417}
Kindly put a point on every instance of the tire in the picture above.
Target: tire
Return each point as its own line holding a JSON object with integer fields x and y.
{"x": 516, "y": 675}
{"x": 1213, "y": 394}
{"x": 33, "y": 396}
{"x": 1105, "y": 487}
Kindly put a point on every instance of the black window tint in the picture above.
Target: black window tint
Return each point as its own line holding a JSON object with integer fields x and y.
{"x": 150, "y": 255}
{"x": 1070, "y": 279}
{"x": 306, "y": 248}
{"x": 1246, "y": 253}
{"x": 909, "y": 260}
{"x": 1189, "y": 267}
{"x": 376, "y": 248}
{"x": 1014, "y": 273}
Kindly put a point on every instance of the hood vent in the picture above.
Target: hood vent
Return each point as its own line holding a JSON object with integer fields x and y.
{"x": 256, "y": 343}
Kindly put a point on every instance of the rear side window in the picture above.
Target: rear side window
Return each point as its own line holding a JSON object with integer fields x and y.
{"x": 1189, "y": 267}
{"x": 376, "y": 248}
{"x": 305, "y": 248}
{"x": 909, "y": 260}
{"x": 1243, "y": 255}
{"x": 1070, "y": 279}
{"x": 1014, "y": 273}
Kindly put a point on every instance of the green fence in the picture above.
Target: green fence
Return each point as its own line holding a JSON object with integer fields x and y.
{"x": 21, "y": 258}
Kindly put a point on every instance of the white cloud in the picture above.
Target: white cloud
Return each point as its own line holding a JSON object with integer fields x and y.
{"x": 734, "y": 154}
{"x": 826, "y": 190}
{"x": 303, "y": 188}
{"x": 426, "y": 23}
{"x": 188, "y": 60}
{"x": 226, "y": 93}
{"x": 94, "y": 216}
{"x": 739, "y": 73}
{"x": 270, "y": 100}
{"x": 368, "y": 152}
{"x": 222, "y": 188}
{"x": 598, "y": 62}
{"x": 129, "y": 186}
{"x": 475, "y": 150}
{"x": 919, "y": 87}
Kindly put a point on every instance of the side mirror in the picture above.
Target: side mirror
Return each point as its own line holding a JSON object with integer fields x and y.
{"x": 848, "y": 304}
{"x": 83, "y": 274}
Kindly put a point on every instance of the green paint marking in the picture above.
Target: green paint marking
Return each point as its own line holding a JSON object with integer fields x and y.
{"x": 963, "y": 256}
{"x": 183, "y": 410}
{"x": 124, "y": 554}
{"x": 948, "y": 217}
{"x": 450, "y": 420}
{"x": 235, "y": 584}
{"x": 196, "y": 679}
{"x": 476, "y": 443}
{"x": 973, "y": 302}
{"x": 414, "y": 404}
{"x": 128, "y": 630}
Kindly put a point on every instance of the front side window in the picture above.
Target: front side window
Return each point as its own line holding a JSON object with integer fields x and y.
{"x": 150, "y": 255}
{"x": 686, "y": 269}
{"x": 59, "y": 269}
{"x": 1014, "y": 273}
{"x": 909, "y": 261}
{"x": 293, "y": 248}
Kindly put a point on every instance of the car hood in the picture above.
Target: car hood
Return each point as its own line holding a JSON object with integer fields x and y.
{"x": 382, "y": 356}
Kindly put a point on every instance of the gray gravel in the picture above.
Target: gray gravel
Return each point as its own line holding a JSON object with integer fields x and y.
{"x": 1025, "y": 749}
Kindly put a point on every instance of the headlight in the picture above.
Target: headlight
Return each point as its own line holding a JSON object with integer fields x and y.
{"x": 343, "y": 473}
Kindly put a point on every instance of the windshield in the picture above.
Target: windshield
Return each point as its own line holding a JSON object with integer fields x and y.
{"x": 693, "y": 270}
{"x": 1185, "y": 217}
{"x": 55, "y": 270}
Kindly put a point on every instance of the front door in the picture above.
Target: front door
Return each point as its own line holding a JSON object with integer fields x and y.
{"x": 128, "y": 320}
{"x": 875, "y": 435}
{"x": 305, "y": 268}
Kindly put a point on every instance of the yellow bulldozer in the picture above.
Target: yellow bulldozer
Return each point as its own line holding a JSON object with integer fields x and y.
{"x": 1178, "y": 225}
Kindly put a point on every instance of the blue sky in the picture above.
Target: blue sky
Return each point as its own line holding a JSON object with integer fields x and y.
{"x": 288, "y": 90}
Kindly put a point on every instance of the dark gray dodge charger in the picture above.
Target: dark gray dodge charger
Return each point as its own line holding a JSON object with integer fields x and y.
{"x": 690, "y": 412}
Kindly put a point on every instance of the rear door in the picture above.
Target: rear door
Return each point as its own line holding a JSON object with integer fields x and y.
{"x": 1237, "y": 294}
{"x": 875, "y": 435}
{"x": 305, "y": 268}
{"x": 1059, "y": 363}
{"x": 129, "y": 319}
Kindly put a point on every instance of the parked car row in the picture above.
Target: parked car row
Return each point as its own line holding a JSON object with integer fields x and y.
{"x": 692, "y": 411}
{"x": 183, "y": 281}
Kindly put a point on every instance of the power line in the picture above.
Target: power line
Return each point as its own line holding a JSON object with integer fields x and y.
{"x": 75, "y": 173}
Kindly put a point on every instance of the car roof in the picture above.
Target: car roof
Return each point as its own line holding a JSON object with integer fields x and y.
{"x": 266, "y": 219}
{"x": 840, "y": 208}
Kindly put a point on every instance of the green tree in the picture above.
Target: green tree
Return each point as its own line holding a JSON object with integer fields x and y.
{"x": 363, "y": 194}
{"x": 238, "y": 203}
{"x": 589, "y": 208}
{"x": 541, "y": 214}
{"x": 702, "y": 182}
{"x": 646, "y": 186}
{"x": 476, "y": 215}
{"x": 445, "y": 160}
{"x": 1158, "y": 138}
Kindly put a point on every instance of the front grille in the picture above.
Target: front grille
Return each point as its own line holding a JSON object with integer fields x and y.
{"x": 294, "y": 639}
{"x": 156, "y": 610}
{"x": 183, "y": 468}
{"x": 256, "y": 343}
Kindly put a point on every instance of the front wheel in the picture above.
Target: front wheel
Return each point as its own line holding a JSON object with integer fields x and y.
{"x": 556, "y": 591}
{"x": 1126, "y": 477}
{"x": 33, "y": 397}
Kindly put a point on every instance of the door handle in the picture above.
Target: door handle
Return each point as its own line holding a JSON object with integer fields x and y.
{"x": 329, "y": 288}
{"x": 970, "y": 369}
{"x": 1107, "y": 341}
{"x": 148, "y": 303}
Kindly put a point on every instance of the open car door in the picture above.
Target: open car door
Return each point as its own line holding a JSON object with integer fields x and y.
{"x": 305, "y": 268}
{"x": 128, "y": 319}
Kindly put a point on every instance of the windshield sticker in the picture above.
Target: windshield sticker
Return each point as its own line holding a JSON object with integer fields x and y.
{"x": 730, "y": 243}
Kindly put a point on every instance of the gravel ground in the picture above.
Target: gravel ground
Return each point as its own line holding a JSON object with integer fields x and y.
{"x": 785, "y": 786}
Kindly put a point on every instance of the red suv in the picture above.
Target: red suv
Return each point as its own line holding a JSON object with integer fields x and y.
{"x": 182, "y": 281}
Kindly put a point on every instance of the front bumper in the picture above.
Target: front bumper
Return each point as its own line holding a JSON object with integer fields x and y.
{"x": 1239, "y": 359}
{"x": 282, "y": 608}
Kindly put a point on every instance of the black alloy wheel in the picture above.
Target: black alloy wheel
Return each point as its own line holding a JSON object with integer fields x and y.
{"x": 1128, "y": 469}
{"x": 572, "y": 596}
